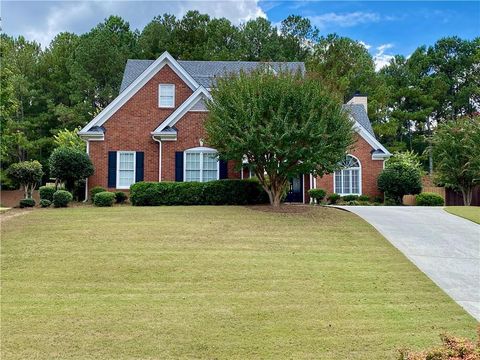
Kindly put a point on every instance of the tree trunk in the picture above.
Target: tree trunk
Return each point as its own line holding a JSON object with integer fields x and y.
{"x": 467, "y": 194}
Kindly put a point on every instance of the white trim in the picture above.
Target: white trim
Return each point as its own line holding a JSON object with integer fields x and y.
{"x": 371, "y": 140}
{"x": 117, "y": 186}
{"x": 199, "y": 150}
{"x": 159, "y": 158}
{"x": 359, "y": 178}
{"x": 86, "y": 180}
{"x": 182, "y": 109}
{"x": 137, "y": 84}
{"x": 303, "y": 188}
{"x": 160, "y": 95}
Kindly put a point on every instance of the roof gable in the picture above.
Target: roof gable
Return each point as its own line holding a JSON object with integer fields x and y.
{"x": 136, "y": 85}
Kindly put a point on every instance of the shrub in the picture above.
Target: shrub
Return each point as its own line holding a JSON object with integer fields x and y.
{"x": 46, "y": 192}
{"x": 120, "y": 197}
{"x": 44, "y": 203}
{"x": 27, "y": 203}
{"x": 317, "y": 194}
{"x": 104, "y": 199}
{"x": 451, "y": 348}
{"x": 70, "y": 165}
{"x": 364, "y": 198}
{"x": 218, "y": 192}
{"x": 95, "y": 190}
{"x": 333, "y": 198}
{"x": 61, "y": 198}
{"x": 348, "y": 198}
{"x": 429, "y": 199}
{"x": 399, "y": 179}
{"x": 27, "y": 174}
{"x": 378, "y": 199}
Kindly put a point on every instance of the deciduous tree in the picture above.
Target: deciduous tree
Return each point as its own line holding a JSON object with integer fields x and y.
{"x": 282, "y": 124}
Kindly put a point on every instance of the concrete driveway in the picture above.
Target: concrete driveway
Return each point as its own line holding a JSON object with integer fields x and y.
{"x": 444, "y": 246}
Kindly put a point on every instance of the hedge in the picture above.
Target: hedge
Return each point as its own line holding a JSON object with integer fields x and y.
{"x": 95, "y": 190}
{"x": 46, "y": 192}
{"x": 120, "y": 197}
{"x": 44, "y": 203}
{"x": 317, "y": 194}
{"x": 61, "y": 198}
{"x": 27, "y": 203}
{"x": 429, "y": 199}
{"x": 104, "y": 199}
{"x": 217, "y": 192}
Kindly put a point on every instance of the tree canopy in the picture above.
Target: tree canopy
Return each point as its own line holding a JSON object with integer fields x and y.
{"x": 282, "y": 124}
{"x": 62, "y": 85}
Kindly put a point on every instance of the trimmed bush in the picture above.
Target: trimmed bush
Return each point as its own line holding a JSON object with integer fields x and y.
{"x": 429, "y": 199}
{"x": 348, "y": 198}
{"x": 95, "y": 190}
{"x": 218, "y": 192}
{"x": 61, "y": 198}
{"x": 104, "y": 199}
{"x": 364, "y": 198}
{"x": 27, "y": 203}
{"x": 333, "y": 198}
{"x": 120, "y": 197}
{"x": 44, "y": 203}
{"x": 317, "y": 194}
{"x": 46, "y": 192}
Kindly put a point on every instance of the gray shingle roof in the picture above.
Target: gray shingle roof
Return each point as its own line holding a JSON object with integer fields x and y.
{"x": 205, "y": 72}
{"x": 360, "y": 115}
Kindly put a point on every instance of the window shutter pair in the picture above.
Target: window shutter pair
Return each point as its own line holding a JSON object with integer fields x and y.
{"x": 179, "y": 167}
{"x": 112, "y": 167}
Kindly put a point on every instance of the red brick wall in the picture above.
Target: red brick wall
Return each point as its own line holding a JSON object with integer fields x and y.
{"x": 370, "y": 169}
{"x": 129, "y": 128}
{"x": 190, "y": 131}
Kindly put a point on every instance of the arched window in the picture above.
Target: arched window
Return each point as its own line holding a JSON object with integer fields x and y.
{"x": 201, "y": 164}
{"x": 348, "y": 181}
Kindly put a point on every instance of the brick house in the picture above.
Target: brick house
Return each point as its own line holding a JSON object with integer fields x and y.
{"x": 153, "y": 131}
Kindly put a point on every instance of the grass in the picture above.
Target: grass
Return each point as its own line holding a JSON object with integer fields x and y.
{"x": 213, "y": 283}
{"x": 471, "y": 213}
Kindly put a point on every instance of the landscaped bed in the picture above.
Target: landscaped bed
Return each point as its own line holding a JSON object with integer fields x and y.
{"x": 471, "y": 213}
{"x": 212, "y": 282}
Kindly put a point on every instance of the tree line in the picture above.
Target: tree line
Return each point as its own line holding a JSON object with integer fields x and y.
{"x": 62, "y": 86}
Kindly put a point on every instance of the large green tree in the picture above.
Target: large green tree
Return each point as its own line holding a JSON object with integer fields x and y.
{"x": 456, "y": 149}
{"x": 282, "y": 124}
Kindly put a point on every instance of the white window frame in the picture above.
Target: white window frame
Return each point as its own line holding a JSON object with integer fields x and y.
{"x": 118, "y": 168}
{"x": 160, "y": 86}
{"x": 359, "y": 168}
{"x": 201, "y": 151}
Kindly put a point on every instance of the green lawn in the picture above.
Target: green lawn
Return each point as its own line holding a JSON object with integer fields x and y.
{"x": 212, "y": 283}
{"x": 471, "y": 213}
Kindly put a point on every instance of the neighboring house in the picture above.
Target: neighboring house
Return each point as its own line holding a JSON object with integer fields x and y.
{"x": 153, "y": 131}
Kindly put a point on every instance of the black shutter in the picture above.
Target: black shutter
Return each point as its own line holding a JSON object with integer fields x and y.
{"x": 178, "y": 166}
{"x": 112, "y": 169}
{"x": 223, "y": 169}
{"x": 139, "y": 166}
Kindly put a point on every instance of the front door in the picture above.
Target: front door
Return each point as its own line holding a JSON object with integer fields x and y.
{"x": 295, "y": 194}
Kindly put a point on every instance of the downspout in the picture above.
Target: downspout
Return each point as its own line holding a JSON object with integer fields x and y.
{"x": 86, "y": 180}
{"x": 159, "y": 158}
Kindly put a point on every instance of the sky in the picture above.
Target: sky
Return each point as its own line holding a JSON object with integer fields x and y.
{"x": 386, "y": 28}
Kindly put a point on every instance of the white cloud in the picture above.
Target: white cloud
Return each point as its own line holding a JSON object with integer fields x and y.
{"x": 44, "y": 20}
{"x": 380, "y": 58}
{"x": 365, "y": 45}
{"x": 344, "y": 20}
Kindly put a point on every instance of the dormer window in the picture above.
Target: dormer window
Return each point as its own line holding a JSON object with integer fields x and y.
{"x": 166, "y": 95}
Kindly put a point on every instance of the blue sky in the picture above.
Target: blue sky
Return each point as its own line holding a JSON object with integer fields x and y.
{"x": 385, "y": 27}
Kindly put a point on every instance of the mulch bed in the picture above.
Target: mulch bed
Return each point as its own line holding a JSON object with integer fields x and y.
{"x": 283, "y": 209}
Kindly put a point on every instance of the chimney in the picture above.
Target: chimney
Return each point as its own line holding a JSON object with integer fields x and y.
{"x": 359, "y": 99}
